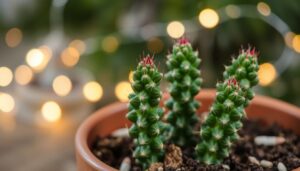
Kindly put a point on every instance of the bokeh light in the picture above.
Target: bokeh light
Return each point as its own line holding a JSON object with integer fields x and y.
{"x": 110, "y": 44}
{"x": 13, "y": 37}
{"x": 266, "y": 74}
{"x": 79, "y": 45}
{"x": 122, "y": 90}
{"x": 70, "y": 56}
{"x": 35, "y": 58}
{"x": 263, "y": 8}
{"x": 23, "y": 75}
{"x": 175, "y": 29}
{"x": 51, "y": 111}
{"x": 62, "y": 85}
{"x": 233, "y": 11}
{"x": 6, "y": 76}
{"x": 92, "y": 91}
{"x": 7, "y": 102}
{"x": 130, "y": 76}
{"x": 209, "y": 18}
{"x": 288, "y": 38}
{"x": 296, "y": 43}
{"x": 155, "y": 45}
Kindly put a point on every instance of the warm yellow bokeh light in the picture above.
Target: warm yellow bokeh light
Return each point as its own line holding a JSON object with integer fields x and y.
{"x": 263, "y": 8}
{"x": 122, "y": 90}
{"x": 175, "y": 29}
{"x": 110, "y": 44}
{"x": 13, "y": 37}
{"x": 6, "y": 76}
{"x": 70, "y": 57}
{"x": 62, "y": 85}
{"x": 266, "y": 74}
{"x": 23, "y": 75}
{"x": 47, "y": 52}
{"x": 208, "y": 18}
{"x": 7, "y": 102}
{"x": 36, "y": 59}
{"x": 130, "y": 76}
{"x": 79, "y": 45}
{"x": 51, "y": 111}
{"x": 296, "y": 43}
{"x": 92, "y": 91}
{"x": 233, "y": 11}
{"x": 288, "y": 38}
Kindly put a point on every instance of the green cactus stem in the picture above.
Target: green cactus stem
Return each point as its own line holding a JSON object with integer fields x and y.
{"x": 145, "y": 114}
{"x": 244, "y": 68}
{"x": 219, "y": 130}
{"x": 184, "y": 77}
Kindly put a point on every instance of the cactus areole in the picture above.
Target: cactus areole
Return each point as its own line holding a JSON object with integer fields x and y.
{"x": 145, "y": 114}
{"x": 184, "y": 78}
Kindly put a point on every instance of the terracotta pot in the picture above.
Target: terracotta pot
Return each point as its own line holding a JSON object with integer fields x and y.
{"x": 112, "y": 117}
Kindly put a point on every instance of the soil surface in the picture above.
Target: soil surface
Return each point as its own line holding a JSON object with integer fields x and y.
{"x": 112, "y": 151}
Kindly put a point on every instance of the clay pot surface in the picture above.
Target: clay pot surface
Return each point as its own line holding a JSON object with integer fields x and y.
{"x": 112, "y": 117}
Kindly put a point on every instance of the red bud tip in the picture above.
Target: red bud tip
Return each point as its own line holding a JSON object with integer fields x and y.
{"x": 232, "y": 81}
{"x": 183, "y": 41}
{"x": 250, "y": 52}
{"x": 148, "y": 60}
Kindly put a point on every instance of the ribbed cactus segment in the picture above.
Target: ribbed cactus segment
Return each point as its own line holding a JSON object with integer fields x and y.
{"x": 220, "y": 128}
{"x": 145, "y": 114}
{"x": 184, "y": 77}
{"x": 244, "y": 68}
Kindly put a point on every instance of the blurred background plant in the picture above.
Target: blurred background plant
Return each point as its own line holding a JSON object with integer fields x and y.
{"x": 57, "y": 54}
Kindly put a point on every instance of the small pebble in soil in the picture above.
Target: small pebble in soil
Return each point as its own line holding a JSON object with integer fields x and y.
{"x": 122, "y": 132}
{"x": 268, "y": 140}
{"x": 126, "y": 164}
{"x": 253, "y": 160}
{"x": 281, "y": 167}
{"x": 266, "y": 164}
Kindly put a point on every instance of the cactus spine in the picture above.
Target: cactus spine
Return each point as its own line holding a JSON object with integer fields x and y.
{"x": 184, "y": 77}
{"x": 219, "y": 130}
{"x": 244, "y": 68}
{"x": 145, "y": 114}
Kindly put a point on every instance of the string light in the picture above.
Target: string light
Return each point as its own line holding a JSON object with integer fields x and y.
{"x": 209, "y": 18}
{"x": 13, "y": 37}
{"x": 62, "y": 85}
{"x": 38, "y": 59}
{"x": 175, "y": 29}
{"x": 266, "y": 74}
{"x": 110, "y": 44}
{"x": 79, "y": 45}
{"x": 70, "y": 56}
{"x": 263, "y": 8}
{"x": 23, "y": 75}
{"x": 6, "y": 76}
{"x": 51, "y": 111}
{"x": 92, "y": 91}
{"x": 288, "y": 38}
{"x": 7, "y": 102}
{"x": 233, "y": 11}
{"x": 155, "y": 45}
{"x": 122, "y": 90}
{"x": 296, "y": 43}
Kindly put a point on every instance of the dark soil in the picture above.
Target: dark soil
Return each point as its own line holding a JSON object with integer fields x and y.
{"x": 113, "y": 150}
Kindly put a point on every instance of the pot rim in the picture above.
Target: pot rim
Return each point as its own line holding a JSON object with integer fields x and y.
{"x": 89, "y": 123}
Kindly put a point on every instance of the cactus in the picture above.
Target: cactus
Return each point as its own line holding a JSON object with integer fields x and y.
{"x": 184, "y": 77}
{"x": 220, "y": 128}
{"x": 145, "y": 114}
{"x": 244, "y": 69}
